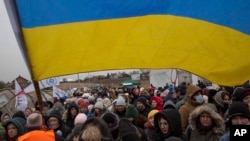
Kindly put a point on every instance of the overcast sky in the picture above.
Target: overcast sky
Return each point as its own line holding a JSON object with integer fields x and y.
{"x": 11, "y": 61}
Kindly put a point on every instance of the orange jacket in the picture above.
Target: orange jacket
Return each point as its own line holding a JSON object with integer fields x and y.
{"x": 38, "y": 135}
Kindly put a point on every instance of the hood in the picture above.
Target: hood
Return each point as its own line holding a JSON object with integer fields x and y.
{"x": 3, "y": 116}
{"x": 218, "y": 99}
{"x": 169, "y": 105}
{"x": 174, "y": 120}
{"x": 71, "y": 105}
{"x": 97, "y": 121}
{"x": 191, "y": 90}
{"x": 216, "y": 118}
{"x": 19, "y": 123}
{"x": 159, "y": 102}
{"x": 56, "y": 114}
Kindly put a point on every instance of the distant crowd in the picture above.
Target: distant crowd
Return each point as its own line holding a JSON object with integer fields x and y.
{"x": 184, "y": 113}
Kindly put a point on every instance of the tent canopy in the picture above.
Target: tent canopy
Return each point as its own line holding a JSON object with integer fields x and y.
{"x": 130, "y": 82}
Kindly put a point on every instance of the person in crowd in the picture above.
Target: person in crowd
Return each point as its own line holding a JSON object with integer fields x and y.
{"x": 2, "y": 132}
{"x": 83, "y": 107}
{"x": 80, "y": 119}
{"x": 127, "y": 130}
{"x": 211, "y": 93}
{"x": 243, "y": 96}
{"x": 14, "y": 127}
{"x": 172, "y": 95}
{"x": 34, "y": 132}
{"x": 54, "y": 122}
{"x": 221, "y": 106}
{"x": 168, "y": 124}
{"x": 144, "y": 108}
{"x": 169, "y": 105}
{"x": 58, "y": 107}
{"x": 27, "y": 112}
{"x": 5, "y": 117}
{"x": 239, "y": 114}
{"x": 70, "y": 114}
{"x": 74, "y": 135}
{"x": 112, "y": 121}
{"x": 149, "y": 126}
{"x": 181, "y": 102}
{"x": 107, "y": 102}
{"x": 44, "y": 110}
{"x": 19, "y": 114}
{"x": 120, "y": 107}
{"x": 156, "y": 103}
{"x": 194, "y": 99}
{"x": 99, "y": 108}
{"x": 132, "y": 114}
{"x": 205, "y": 124}
{"x": 95, "y": 129}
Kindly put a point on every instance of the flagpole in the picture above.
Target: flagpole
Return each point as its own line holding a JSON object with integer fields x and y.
{"x": 38, "y": 94}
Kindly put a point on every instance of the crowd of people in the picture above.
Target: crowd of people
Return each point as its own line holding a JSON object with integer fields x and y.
{"x": 183, "y": 113}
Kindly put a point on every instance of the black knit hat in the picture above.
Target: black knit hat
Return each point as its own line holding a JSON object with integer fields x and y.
{"x": 239, "y": 108}
{"x": 142, "y": 99}
{"x": 111, "y": 119}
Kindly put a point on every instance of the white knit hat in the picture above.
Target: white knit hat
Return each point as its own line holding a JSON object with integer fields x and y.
{"x": 99, "y": 105}
{"x": 120, "y": 101}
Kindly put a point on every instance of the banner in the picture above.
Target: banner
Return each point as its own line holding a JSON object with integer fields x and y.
{"x": 50, "y": 82}
{"x": 59, "y": 93}
{"x": 21, "y": 99}
{"x": 209, "y": 38}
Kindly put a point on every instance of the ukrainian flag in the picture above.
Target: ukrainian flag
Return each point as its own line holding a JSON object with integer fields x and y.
{"x": 209, "y": 38}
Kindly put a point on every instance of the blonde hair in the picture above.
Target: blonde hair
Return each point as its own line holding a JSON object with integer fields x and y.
{"x": 91, "y": 133}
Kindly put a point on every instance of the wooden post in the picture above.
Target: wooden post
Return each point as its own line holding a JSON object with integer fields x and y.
{"x": 38, "y": 94}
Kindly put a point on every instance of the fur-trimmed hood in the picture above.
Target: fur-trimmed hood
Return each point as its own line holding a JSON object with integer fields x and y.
{"x": 217, "y": 120}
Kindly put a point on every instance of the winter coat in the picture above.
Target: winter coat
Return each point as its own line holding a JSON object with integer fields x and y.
{"x": 173, "y": 118}
{"x": 189, "y": 106}
{"x": 150, "y": 131}
{"x": 126, "y": 128}
{"x": 69, "y": 119}
{"x": 200, "y": 133}
{"x": 64, "y": 129}
{"x": 226, "y": 136}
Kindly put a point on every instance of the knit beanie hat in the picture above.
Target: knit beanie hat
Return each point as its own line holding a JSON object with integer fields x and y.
{"x": 111, "y": 119}
{"x": 142, "y": 99}
{"x": 91, "y": 98}
{"x": 120, "y": 101}
{"x": 81, "y": 103}
{"x": 106, "y": 102}
{"x": 238, "y": 93}
{"x": 131, "y": 111}
{"x": 99, "y": 105}
{"x": 80, "y": 119}
{"x": 54, "y": 113}
{"x": 19, "y": 114}
{"x": 152, "y": 113}
{"x": 19, "y": 123}
{"x": 238, "y": 108}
